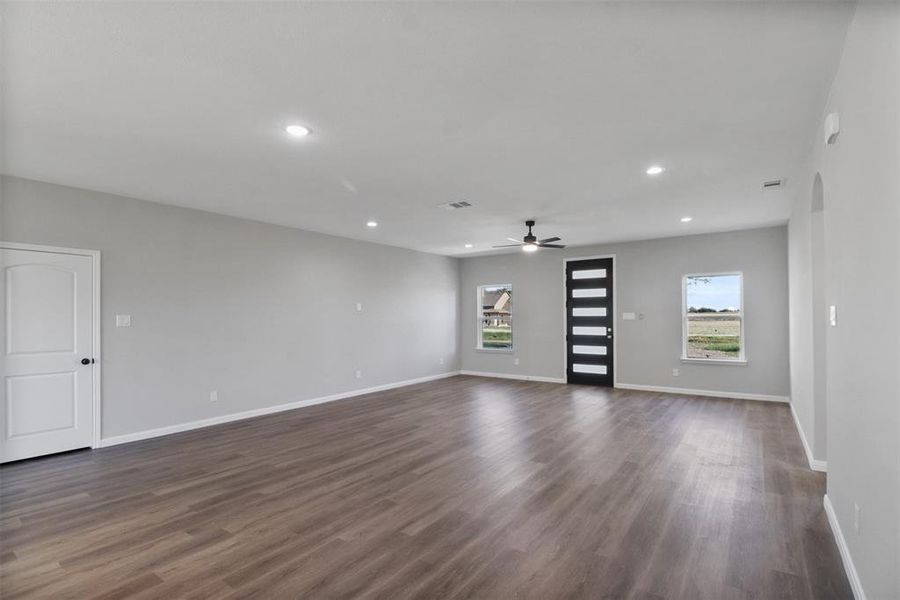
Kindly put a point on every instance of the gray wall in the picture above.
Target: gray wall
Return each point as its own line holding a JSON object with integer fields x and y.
{"x": 266, "y": 315}
{"x": 648, "y": 281}
{"x": 861, "y": 183}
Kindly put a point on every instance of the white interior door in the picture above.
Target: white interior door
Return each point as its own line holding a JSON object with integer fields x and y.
{"x": 46, "y": 394}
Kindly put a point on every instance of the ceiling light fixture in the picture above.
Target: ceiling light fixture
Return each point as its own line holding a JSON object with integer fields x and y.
{"x": 372, "y": 224}
{"x": 297, "y": 130}
{"x": 655, "y": 170}
{"x": 468, "y": 245}
{"x": 529, "y": 248}
{"x": 687, "y": 219}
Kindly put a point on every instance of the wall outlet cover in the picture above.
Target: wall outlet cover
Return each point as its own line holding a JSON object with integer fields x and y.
{"x": 123, "y": 320}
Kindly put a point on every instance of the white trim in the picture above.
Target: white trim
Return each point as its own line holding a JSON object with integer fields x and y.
{"x": 849, "y": 567}
{"x": 740, "y": 360}
{"x": 50, "y": 249}
{"x": 715, "y": 361}
{"x": 511, "y": 376}
{"x": 614, "y": 320}
{"x": 814, "y": 464}
{"x": 258, "y": 412}
{"x": 96, "y": 401}
{"x": 712, "y": 393}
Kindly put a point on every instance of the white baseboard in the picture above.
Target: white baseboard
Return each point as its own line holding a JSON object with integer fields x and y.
{"x": 712, "y": 393}
{"x": 258, "y": 412}
{"x": 814, "y": 463}
{"x": 510, "y": 376}
{"x": 849, "y": 567}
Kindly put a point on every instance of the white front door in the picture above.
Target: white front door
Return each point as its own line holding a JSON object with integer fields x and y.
{"x": 46, "y": 396}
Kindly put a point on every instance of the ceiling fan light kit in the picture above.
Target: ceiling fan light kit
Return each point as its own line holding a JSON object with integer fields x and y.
{"x": 530, "y": 243}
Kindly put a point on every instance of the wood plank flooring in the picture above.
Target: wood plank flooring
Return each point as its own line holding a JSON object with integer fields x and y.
{"x": 460, "y": 488}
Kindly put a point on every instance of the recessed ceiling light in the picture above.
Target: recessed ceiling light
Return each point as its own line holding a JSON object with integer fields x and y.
{"x": 468, "y": 245}
{"x": 297, "y": 130}
{"x": 687, "y": 219}
{"x": 655, "y": 170}
{"x": 529, "y": 248}
{"x": 372, "y": 224}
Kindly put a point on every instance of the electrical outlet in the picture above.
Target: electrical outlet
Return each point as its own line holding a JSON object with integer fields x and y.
{"x": 359, "y": 307}
{"x": 516, "y": 361}
{"x": 358, "y": 374}
{"x": 214, "y": 396}
{"x": 856, "y": 518}
{"x": 441, "y": 360}
{"x": 675, "y": 372}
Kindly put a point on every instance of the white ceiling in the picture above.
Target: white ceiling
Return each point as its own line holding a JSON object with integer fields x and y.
{"x": 543, "y": 110}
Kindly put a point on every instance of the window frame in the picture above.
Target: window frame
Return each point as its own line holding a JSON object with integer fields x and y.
{"x": 479, "y": 315}
{"x": 742, "y": 357}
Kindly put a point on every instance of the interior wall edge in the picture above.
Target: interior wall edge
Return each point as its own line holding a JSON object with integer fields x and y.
{"x": 814, "y": 463}
{"x": 249, "y": 414}
{"x": 709, "y": 393}
{"x": 844, "y": 549}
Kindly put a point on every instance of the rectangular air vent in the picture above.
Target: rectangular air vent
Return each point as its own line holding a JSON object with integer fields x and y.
{"x": 773, "y": 183}
{"x": 454, "y": 205}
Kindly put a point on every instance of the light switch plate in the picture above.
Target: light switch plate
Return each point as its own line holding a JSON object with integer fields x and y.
{"x": 123, "y": 320}
{"x": 359, "y": 307}
{"x": 832, "y": 315}
{"x": 628, "y": 316}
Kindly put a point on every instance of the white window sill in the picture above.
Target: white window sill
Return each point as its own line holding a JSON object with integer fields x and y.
{"x": 496, "y": 350}
{"x": 715, "y": 361}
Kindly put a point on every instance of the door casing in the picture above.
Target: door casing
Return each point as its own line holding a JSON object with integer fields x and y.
{"x": 96, "y": 404}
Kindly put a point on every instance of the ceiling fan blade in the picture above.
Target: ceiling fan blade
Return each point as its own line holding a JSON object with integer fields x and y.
{"x": 553, "y": 246}
{"x": 507, "y": 246}
{"x": 548, "y": 240}
{"x": 520, "y": 242}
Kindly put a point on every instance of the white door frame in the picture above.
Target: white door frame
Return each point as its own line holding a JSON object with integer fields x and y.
{"x": 95, "y": 334}
{"x": 615, "y": 327}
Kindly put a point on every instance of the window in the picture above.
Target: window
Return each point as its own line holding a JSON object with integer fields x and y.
{"x": 713, "y": 317}
{"x": 495, "y": 305}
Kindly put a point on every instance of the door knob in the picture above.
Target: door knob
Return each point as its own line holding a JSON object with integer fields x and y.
{"x": 85, "y": 361}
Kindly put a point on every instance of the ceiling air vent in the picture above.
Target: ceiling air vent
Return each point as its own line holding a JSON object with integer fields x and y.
{"x": 772, "y": 184}
{"x": 454, "y": 205}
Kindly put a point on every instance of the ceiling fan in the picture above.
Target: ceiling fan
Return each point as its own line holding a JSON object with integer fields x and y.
{"x": 530, "y": 243}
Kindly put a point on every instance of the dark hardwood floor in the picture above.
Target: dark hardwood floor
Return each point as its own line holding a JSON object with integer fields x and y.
{"x": 460, "y": 488}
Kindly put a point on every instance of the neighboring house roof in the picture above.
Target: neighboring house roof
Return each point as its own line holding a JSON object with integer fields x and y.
{"x": 495, "y": 302}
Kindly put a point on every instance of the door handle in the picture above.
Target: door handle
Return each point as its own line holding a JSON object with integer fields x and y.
{"x": 87, "y": 361}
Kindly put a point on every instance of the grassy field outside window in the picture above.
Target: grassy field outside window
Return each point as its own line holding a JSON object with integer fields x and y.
{"x": 713, "y": 317}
